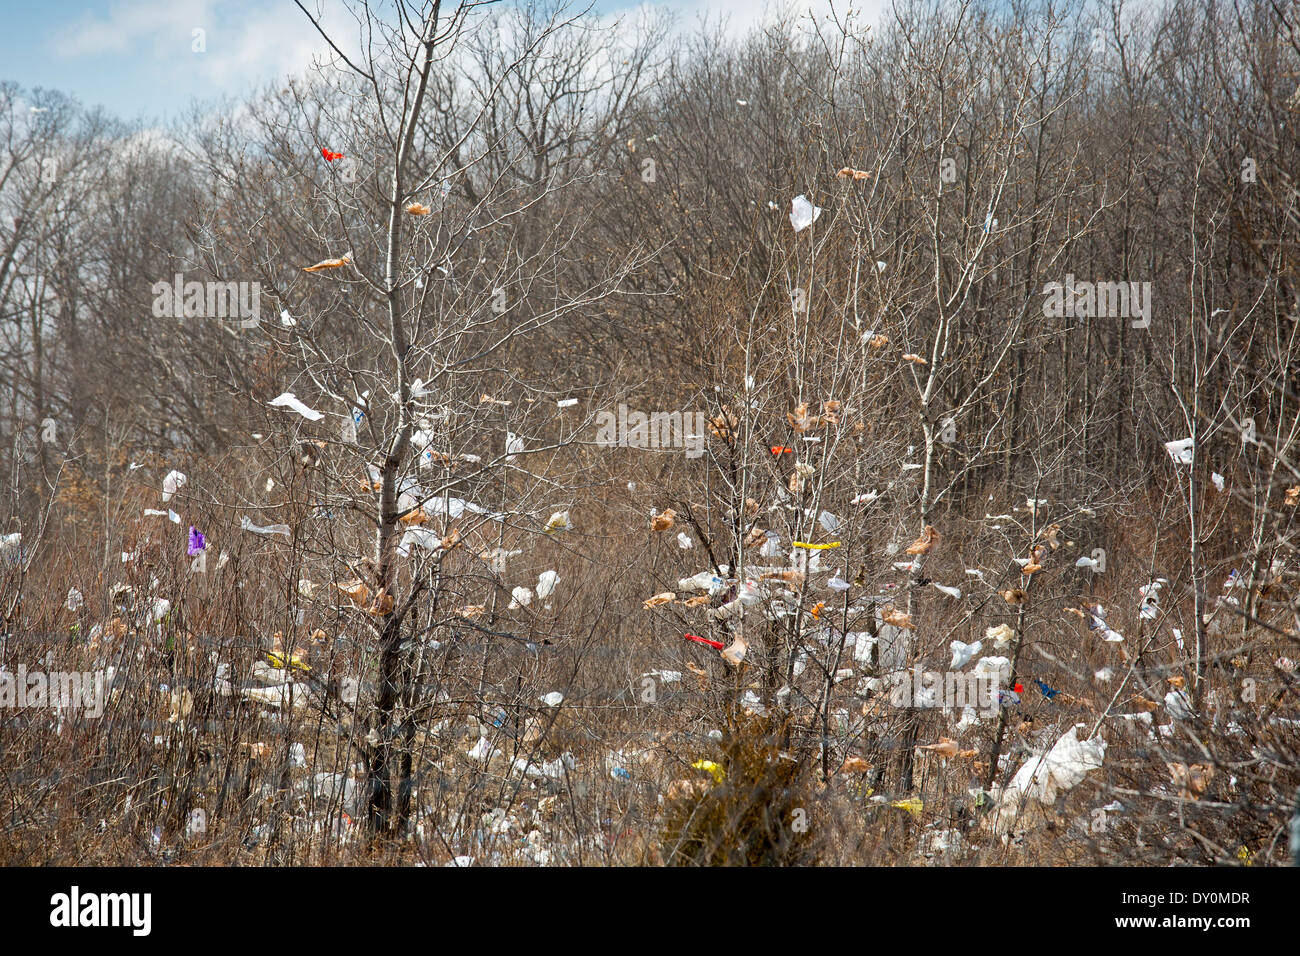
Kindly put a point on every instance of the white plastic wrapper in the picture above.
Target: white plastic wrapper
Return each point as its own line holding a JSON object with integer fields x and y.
{"x": 803, "y": 213}
{"x": 173, "y": 482}
{"x": 290, "y": 401}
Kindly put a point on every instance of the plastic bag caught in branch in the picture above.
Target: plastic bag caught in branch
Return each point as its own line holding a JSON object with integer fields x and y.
{"x": 1180, "y": 451}
{"x": 269, "y": 529}
{"x": 497, "y": 558}
{"x": 1060, "y": 769}
{"x": 173, "y": 482}
{"x": 962, "y": 653}
{"x": 803, "y": 213}
{"x": 289, "y": 400}
{"x": 703, "y": 581}
{"x": 734, "y": 654}
{"x": 328, "y": 264}
{"x": 663, "y": 521}
{"x": 426, "y": 538}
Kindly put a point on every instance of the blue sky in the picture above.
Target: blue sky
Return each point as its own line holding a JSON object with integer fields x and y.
{"x": 136, "y": 57}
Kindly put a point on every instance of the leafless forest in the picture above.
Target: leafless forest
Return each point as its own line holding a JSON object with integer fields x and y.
{"x": 538, "y": 437}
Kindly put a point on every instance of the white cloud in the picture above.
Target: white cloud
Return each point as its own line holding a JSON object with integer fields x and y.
{"x": 274, "y": 41}
{"x": 245, "y": 42}
{"x": 128, "y": 25}
{"x": 255, "y": 41}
